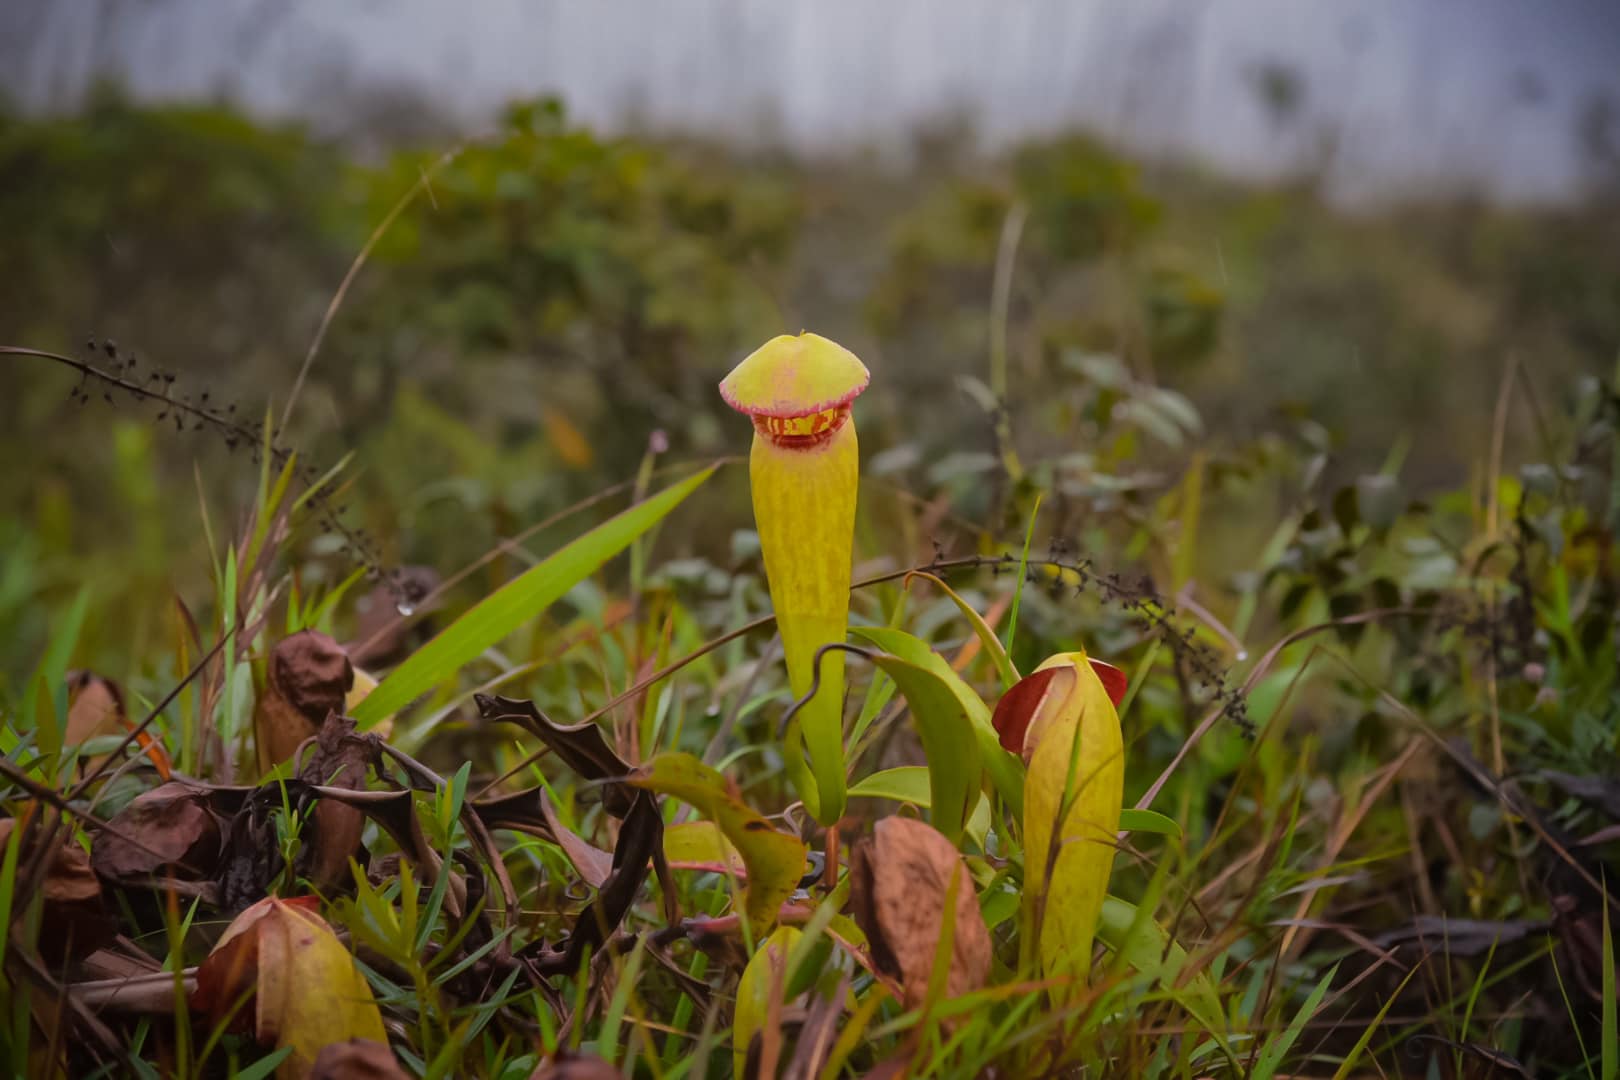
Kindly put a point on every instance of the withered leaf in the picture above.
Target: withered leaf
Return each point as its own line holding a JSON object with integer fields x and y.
{"x": 342, "y": 758}
{"x": 593, "y": 864}
{"x": 1461, "y": 937}
{"x": 74, "y": 921}
{"x": 280, "y": 972}
{"x": 530, "y": 811}
{"x": 818, "y": 1034}
{"x": 95, "y": 707}
{"x": 640, "y": 839}
{"x": 382, "y": 634}
{"x": 1600, "y": 791}
{"x": 174, "y": 828}
{"x": 582, "y": 747}
{"x": 585, "y": 750}
{"x": 900, "y": 880}
{"x": 309, "y": 676}
{"x": 357, "y": 1059}
{"x": 395, "y": 812}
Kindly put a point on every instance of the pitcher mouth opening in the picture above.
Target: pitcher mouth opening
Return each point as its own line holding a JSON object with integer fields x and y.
{"x": 802, "y": 432}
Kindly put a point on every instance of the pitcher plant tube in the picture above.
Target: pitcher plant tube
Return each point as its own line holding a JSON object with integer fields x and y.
{"x": 1063, "y": 720}
{"x": 803, "y": 471}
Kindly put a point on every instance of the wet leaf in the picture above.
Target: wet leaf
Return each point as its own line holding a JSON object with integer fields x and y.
{"x": 775, "y": 860}
{"x": 382, "y": 634}
{"x": 1072, "y": 800}
{"x": 764, "y": 978}
{"x": 281, "y": 973}
{"x": 901, "y": 878}
{"x": 308, "y": 677}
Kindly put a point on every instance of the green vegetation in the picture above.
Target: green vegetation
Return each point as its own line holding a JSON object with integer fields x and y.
{"x": 1335, "y": 494}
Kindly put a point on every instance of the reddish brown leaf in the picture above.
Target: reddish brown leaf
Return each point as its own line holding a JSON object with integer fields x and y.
{"x": 74, "y": 921}
{"x": 593, "y": 864}
{"x": 382, "y": 635}
{"x": 341, "y": 759}
{"x": 357, "y": 1059}
{"x": 900, "y": 880}
{"x": 1115, "y": 681}
{"x": 309, "y": 677}
{"x": 582, "y": 747}
{"x": 96, "y": 708}
{"x": 172, "y": 828}
{"x": 1019, "y": 705}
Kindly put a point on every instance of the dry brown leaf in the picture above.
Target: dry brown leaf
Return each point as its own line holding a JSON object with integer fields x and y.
{"x": 593, "y": 864}
{"x": 900, "y": 878}
{"x": 309, "y": 676}
{"x": 357, "y": 1059}
{"x": 95, "y": 708}
{"x": 382, "y": 635}
{"x": 280, "y": 972}
{"x": 341, "y": 759}
{"x": 74, "y": 922}
{"x": 172, "y": 828}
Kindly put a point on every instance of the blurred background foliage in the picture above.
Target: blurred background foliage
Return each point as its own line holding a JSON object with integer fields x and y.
{"x": 1236, "y": 401}
{"x": 548, "y": 298}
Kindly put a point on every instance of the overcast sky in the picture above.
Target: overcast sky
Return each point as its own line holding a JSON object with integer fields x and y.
{"x": 1411, "y": 91}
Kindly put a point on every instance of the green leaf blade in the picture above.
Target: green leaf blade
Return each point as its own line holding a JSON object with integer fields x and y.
{"x": 519, "y": 600}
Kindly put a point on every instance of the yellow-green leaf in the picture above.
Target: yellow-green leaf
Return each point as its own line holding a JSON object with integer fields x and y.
{"x": 1072, "y": 799}
{"x": 774, "y": 860}
{"x": 701, "y": 844}
{"x": 765, "y": 974}
{"x": 1004, "y": 769}
{"x": 1148, "y": 821}
{"x": 987, "y": 637}
{"x": 1147, "y": 947}
{"x": 909, "y": 784}
{"x": 299, "y": 980}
